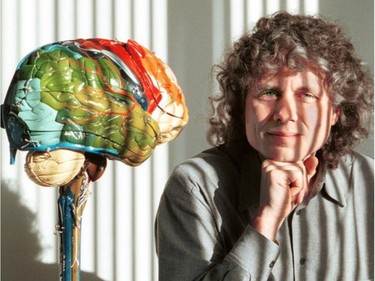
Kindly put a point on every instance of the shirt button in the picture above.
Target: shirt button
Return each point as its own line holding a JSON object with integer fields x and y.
{"x": 272, "y": 263}
{"x": 298, "y": 212}
{"x": 302, "y": 261}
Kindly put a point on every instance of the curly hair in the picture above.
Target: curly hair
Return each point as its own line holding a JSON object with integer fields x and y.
{"x": 294, "y": 41}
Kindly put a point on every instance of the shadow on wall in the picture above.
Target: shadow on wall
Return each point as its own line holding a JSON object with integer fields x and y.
{"x": 20, "y": 244}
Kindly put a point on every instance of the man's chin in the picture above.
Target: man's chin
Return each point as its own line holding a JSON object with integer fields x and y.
{"x": 286, "y": 157}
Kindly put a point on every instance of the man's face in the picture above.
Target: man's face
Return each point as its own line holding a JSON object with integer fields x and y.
{"x": 289, "y": 116}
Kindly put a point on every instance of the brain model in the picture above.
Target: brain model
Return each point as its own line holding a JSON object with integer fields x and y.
{"x": 96, "y": 96}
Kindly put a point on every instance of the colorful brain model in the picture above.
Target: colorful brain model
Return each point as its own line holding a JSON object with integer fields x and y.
{"x": 95, "y": 96}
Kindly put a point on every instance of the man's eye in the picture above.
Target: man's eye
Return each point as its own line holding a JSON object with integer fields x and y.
{"x": 307, "y": 96}
{"x": 268, "y": 95}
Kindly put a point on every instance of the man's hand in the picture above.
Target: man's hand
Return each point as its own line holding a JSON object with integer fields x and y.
{"x": 283, "y": 187}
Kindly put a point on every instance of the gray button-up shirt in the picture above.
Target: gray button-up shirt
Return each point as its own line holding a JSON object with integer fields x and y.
{"x": 203, "y": 230}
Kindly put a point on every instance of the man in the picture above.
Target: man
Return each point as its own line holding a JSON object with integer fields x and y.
{"x": 282, "y": 195}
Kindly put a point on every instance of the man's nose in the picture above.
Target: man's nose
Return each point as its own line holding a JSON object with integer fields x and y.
{"x": 285, "y": 110}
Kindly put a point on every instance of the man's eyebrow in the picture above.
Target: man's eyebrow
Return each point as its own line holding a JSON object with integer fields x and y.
{"x": 260, "y": 87}
{"x": 313, "y": 90}
{"x": 263, "y": 87}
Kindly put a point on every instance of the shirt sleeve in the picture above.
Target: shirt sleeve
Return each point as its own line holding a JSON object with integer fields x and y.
{"x": 188, "y": 241}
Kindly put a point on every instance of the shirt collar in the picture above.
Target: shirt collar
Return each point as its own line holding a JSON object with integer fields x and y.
{"x": 337, "y": 182}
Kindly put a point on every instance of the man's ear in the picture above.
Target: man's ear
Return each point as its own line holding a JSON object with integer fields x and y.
{"x": 335, "y": 115}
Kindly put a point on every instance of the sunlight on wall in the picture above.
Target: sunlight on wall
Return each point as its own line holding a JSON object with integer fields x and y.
{"x": 245, "y": 13}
